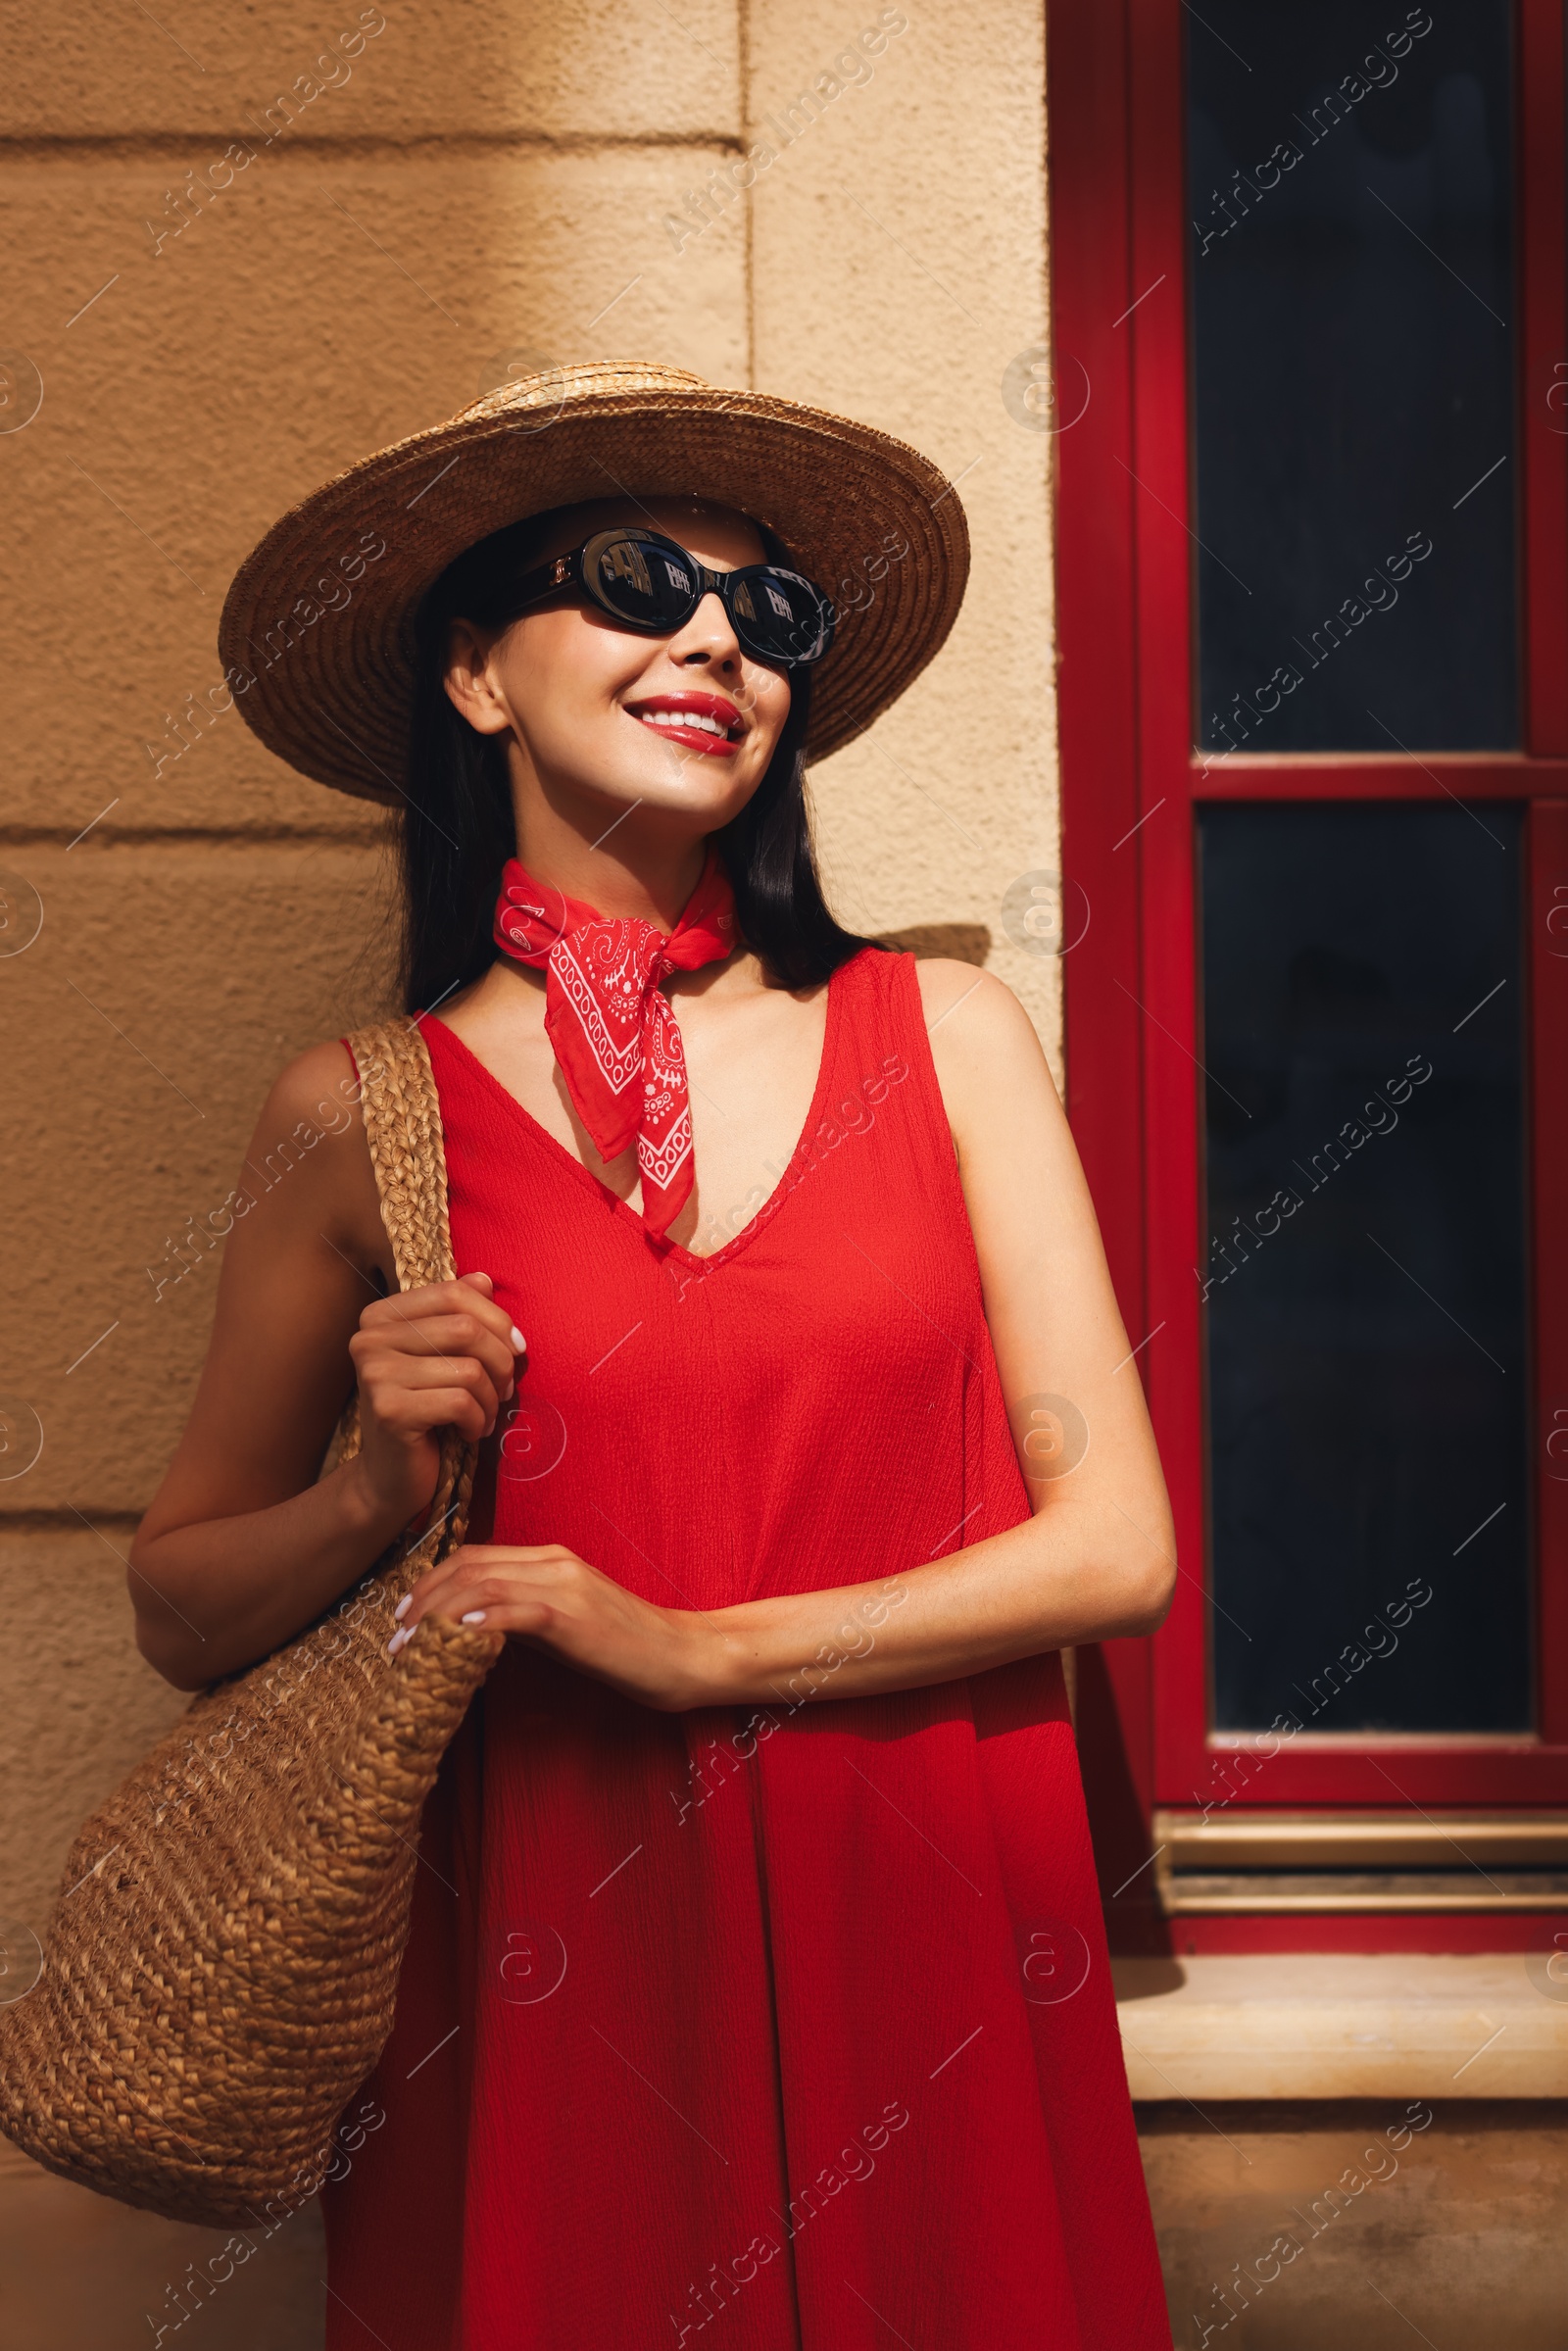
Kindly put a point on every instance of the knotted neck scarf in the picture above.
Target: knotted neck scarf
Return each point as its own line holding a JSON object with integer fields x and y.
{"x": 614, "y": 1030}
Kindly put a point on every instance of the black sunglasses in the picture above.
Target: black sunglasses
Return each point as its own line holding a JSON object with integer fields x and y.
{"x": 649, "y": 583}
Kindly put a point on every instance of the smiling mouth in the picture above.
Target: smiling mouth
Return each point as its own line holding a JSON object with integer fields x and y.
{"x": 703, "y": 723}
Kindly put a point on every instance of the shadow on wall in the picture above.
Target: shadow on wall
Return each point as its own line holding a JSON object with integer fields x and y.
{"x": 962, "y": 942}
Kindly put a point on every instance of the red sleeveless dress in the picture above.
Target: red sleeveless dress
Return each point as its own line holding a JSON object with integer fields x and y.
{"x": 782, "y": 2027}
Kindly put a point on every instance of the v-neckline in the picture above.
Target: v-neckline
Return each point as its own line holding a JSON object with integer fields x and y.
{"x": 633, "y": 1216}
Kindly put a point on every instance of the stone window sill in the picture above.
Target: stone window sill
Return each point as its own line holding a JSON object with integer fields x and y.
{"x": 1339, "y": 2025}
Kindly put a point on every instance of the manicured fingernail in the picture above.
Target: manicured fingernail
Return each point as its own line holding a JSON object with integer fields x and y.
{"x": 475, "y": 1616}
{"x": 403, "y": 1606}
{"x": 395, "y": 1643}
{"x": 518, "y": 1341}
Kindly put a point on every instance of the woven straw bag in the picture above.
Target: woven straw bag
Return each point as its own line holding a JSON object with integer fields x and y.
{"x": 219, "y": 1971}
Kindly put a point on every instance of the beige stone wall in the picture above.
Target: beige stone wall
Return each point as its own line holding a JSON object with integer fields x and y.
{"x": 464, "y": 190}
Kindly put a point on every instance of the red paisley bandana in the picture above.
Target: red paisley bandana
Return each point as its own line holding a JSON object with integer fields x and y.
{"x": 612, "y": 1027}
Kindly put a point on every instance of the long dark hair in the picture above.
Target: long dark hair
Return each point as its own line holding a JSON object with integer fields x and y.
{"x": 458, "y": 829}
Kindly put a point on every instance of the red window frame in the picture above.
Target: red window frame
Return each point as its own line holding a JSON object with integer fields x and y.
{"x": 1120, "y": 242}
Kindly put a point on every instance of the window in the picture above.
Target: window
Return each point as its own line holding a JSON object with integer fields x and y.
{"x": 1354, "y": 449}
{"x": 1364, "y": 1286}
{"x": 1312, "y": 599}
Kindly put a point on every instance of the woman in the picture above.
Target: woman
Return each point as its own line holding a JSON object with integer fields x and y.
{"x": 756, "y": 1990}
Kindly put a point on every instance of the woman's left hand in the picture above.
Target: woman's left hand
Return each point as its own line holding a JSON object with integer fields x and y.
{"x": 544, "y": 1593}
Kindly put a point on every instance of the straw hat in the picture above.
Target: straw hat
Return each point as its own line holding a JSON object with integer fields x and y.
{"x": 320, "y": 616}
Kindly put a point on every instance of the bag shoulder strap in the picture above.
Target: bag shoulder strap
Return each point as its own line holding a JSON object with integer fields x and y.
{"x": 402, "y": 1114}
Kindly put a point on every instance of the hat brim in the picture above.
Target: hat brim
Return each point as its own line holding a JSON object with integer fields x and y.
{"x": 320, "y": 616}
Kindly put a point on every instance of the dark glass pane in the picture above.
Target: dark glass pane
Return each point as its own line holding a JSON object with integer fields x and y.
{"x": 1365, "y": 1290}
{"x": 1353, "y": 376}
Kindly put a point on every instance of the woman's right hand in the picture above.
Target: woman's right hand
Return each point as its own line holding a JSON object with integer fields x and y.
{"x": 441, "y": 1356}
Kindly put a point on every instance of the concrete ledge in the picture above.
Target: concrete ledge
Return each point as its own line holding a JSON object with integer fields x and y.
{"x": 1333, "y": 2024}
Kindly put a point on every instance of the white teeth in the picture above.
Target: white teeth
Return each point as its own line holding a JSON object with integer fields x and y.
{"x": 697, "y": 718}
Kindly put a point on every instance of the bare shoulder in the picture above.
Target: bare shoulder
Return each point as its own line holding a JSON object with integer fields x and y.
{"x": 309, "y": 1159}
{"x": 311, "y": 1081}
{"x": 981, "y": 1037}
{"x": 995, "y": 1081}
{"x": 312, "y": 1098}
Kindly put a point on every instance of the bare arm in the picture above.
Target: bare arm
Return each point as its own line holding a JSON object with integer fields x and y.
{"x": 1096, "y": 1557}
{"x": 243, "y": 1544}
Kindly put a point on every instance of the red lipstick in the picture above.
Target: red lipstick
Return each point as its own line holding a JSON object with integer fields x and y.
{"x": 670, "y": 715}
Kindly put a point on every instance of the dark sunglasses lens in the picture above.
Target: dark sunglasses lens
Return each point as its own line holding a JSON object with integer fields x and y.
{"x": 646, "y": 581}
{"x": 779, "y": 616}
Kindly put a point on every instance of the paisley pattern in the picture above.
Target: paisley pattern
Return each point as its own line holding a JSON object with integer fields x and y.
{"x": 614, "y": 1030}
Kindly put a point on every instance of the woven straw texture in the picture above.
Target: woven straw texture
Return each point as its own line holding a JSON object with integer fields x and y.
{"x": 323, "y": 624}
{"x": 219, "y": 1971}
